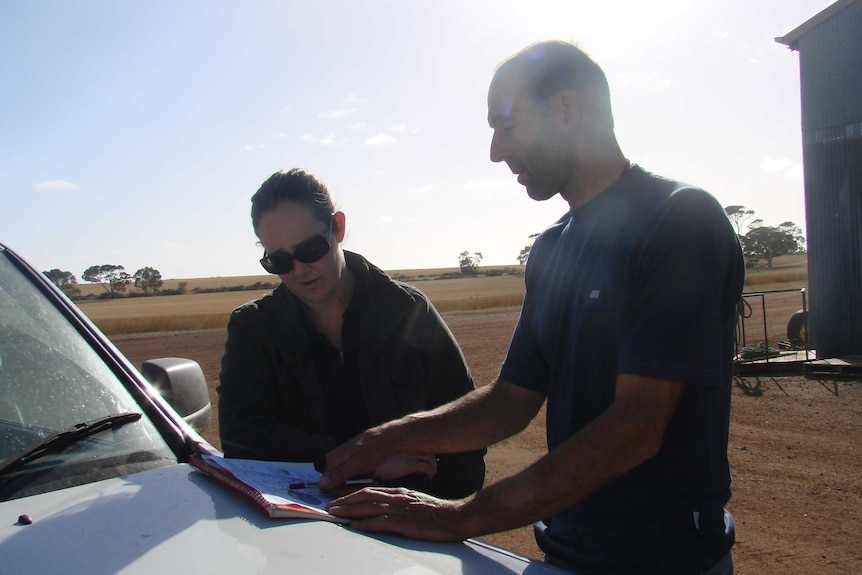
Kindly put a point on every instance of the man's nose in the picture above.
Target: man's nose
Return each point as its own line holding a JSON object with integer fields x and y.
{"x": 499, "y": 150}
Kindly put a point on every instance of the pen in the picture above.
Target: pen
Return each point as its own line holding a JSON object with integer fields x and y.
{"x": 309, "y": 484}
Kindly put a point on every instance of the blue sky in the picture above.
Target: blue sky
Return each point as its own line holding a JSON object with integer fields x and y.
{"x": 135, "y": 132}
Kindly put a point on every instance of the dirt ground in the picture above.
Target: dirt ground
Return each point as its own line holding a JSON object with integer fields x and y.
{"x": 795, "y": 451}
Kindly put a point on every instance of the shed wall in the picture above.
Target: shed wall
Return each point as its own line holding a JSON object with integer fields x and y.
{"x": 830, "y": 62}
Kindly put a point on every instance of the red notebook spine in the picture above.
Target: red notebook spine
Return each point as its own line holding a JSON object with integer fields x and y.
{"x": 228, "y": 479}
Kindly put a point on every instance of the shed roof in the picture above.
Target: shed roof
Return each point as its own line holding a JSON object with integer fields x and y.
{"x": 791, "y": 39}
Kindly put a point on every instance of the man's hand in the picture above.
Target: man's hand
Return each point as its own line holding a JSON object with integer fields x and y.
{"x": 362, "y": 454}
{"x": 398, "y": 510}
{"x": 402, "y": 465}
{"x": 481, "y": 418}
{"x": 395, "y": 467}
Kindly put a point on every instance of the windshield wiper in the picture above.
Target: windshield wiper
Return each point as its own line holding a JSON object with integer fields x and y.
{"x": 60, "y": 440}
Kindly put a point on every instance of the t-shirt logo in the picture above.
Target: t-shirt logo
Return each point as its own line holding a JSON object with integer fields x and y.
{"x": 595, "y": 295}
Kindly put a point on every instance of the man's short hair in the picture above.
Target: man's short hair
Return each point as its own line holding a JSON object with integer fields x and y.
{"x": 553, "y": 65}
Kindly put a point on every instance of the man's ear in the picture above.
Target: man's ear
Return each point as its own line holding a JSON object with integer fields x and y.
{"x": 569, "y": 105}
{"x": 339, "y": 226}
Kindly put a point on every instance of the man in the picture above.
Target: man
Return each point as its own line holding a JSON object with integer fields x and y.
{"x": 627, "y": 329}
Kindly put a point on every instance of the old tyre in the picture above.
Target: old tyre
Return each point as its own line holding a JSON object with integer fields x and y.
{"x": 797, "y": 329}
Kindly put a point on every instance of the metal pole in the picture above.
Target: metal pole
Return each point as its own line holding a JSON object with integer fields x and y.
{"x": 807, "y": 330}
{"x": 765, "y": 333}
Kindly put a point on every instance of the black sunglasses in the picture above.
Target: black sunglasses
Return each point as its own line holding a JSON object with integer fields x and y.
{"x": 307, "y": 252}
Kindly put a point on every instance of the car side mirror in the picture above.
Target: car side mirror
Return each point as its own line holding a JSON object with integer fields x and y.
{"x": 182, "y": 383}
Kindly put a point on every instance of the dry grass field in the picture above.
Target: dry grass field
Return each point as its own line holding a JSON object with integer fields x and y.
{"x": 211, "y": 310}
{"x": 412, "y": 275}
{"x": 795, "y": 442}
{"x": 469, "y": 293}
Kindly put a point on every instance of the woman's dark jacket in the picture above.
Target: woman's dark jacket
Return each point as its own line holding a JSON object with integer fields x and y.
{"x": 271, "y": 404}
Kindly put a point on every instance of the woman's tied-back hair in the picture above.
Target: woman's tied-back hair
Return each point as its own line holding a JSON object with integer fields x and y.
{"x": 296, "y": 185}
{"x": 553, "y": 65}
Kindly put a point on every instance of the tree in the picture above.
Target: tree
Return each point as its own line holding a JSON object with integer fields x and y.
{"x": 112, "y": 278}
{"x": 64, "y": 280}
{"x": 768, "y": 242}
{"x": 147, "y": 279}
{"x": 525, "y": 252}
{"x": 469, "y": 264}
{"x": 738, "y": 215}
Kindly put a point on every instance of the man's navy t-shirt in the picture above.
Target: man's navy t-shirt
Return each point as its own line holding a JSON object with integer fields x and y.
{"x": 644, "y": 279}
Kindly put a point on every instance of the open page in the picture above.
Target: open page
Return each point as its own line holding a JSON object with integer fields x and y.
{"x": 281, "y": 489}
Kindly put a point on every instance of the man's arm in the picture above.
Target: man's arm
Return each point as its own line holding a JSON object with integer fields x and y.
{"x": 625, "y": 435}
{"x": 473, "y": 421}
{"x": 448, "y": 378}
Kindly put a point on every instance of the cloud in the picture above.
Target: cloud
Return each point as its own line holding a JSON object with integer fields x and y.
{"x": 401, "y": 127}
{"x": 359, "y": 126}
{"x": 55, "y": 186}
{"x": 253, "y": 147}
{"x": 421, "y": 190}
{"x": 646, "y": 80}
{"x": 279, "y": 135}
{"x": 479, "y": 186}
{"x": 795, "y": 173}
{"x": 336, "y": 114}
{"x": 323, "y": 141}
{"x": 380, "y": 140}
{"x": 784, "y": 166}
{"x": 787, "y": 29}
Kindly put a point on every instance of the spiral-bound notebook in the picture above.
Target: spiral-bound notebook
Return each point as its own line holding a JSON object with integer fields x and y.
{"x": 280, "y": 489}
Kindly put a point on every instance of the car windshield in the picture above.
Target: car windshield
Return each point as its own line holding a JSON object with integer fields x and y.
{"x": 51, "y": 381}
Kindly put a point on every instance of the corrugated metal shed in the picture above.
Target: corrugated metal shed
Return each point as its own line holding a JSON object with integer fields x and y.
{"x": 830, "y": 71}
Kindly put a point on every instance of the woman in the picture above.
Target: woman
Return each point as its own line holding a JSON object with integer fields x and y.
{"x": 336, "y": 348}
